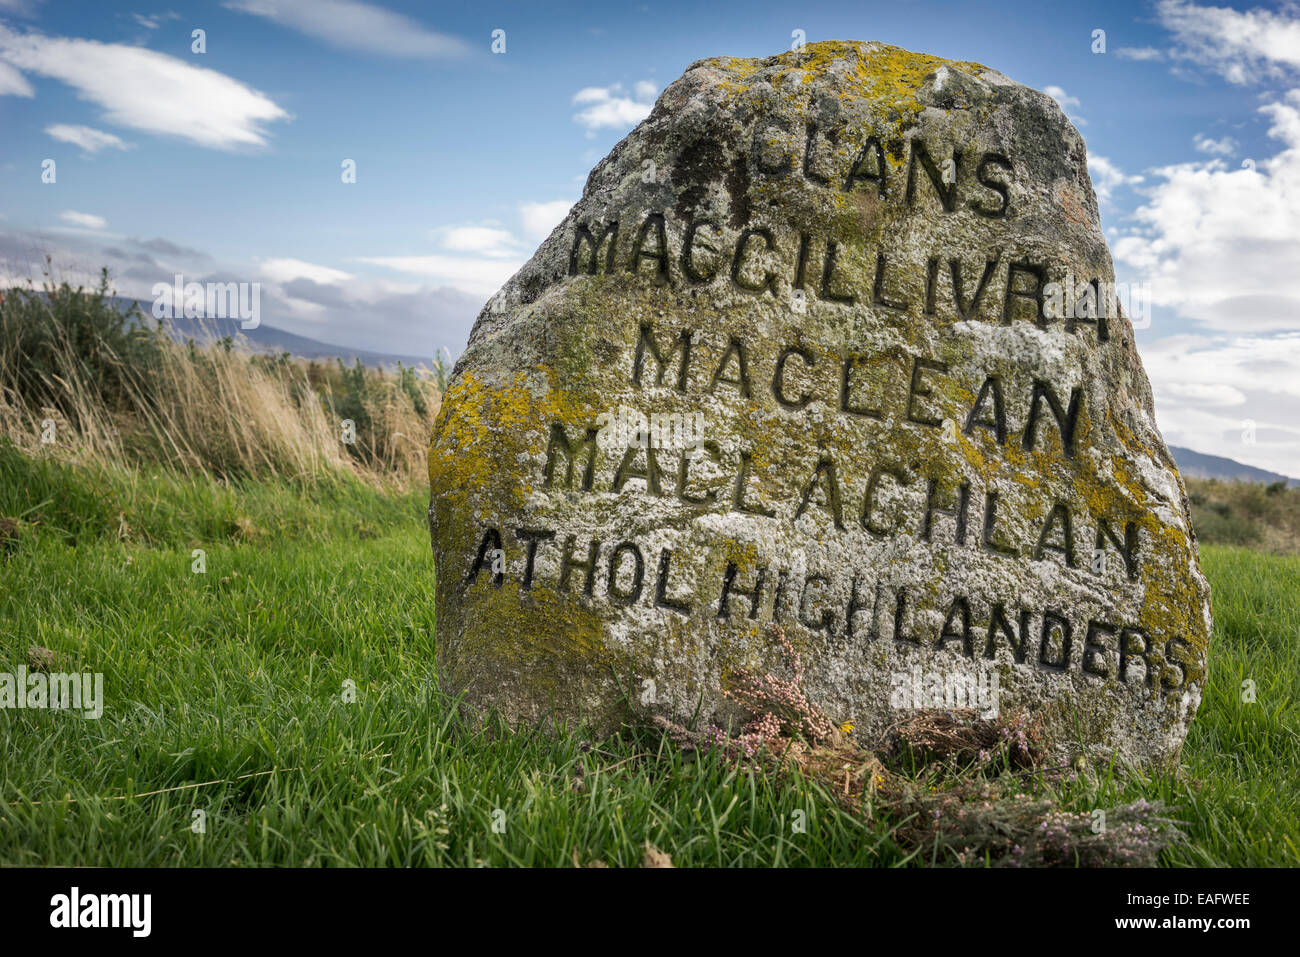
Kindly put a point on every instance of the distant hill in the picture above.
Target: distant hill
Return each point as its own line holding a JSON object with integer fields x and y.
{"x": 1198, "y": 465}
{"x": 271, "y": 340}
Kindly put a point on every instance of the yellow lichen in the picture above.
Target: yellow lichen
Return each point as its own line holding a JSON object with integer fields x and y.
{"x": 884, "y": 74}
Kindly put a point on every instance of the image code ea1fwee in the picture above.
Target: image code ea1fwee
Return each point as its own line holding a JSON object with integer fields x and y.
{"x": 752, "y": 437}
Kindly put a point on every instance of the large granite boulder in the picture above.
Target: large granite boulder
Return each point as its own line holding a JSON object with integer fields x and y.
{"x": 831, "y": 341}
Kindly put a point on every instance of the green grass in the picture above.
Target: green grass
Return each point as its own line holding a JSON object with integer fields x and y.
{"x": 231, "y": 674}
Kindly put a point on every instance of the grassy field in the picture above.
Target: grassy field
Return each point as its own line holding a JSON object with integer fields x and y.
{"x": 257, "y": 589}
{"x": 234, "y": 680}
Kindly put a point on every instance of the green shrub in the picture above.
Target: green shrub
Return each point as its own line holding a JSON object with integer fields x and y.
{"x": 59, "y": 340}
{"x": 1216, "y": 526}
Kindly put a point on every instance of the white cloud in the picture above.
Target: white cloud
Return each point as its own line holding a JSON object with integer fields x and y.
{"x": 149, "y": 91}
{"x": 287, "y": 270}
{"x": 351, "y": 25}
{"x": 1243, "y": 46}
{"x": 469, "y": 274}
{"x": 490, "y": 241}
{"x": 485, "y": 240}
{"x": 1225, "y": 146}
{"x": 13, "y": 83}
{"x": 539, "y": 219}
{"x": 1236, "y": 396}
{"x": 1060, "y": 96}
{"x": 594, "y": 94}
{"x": 86, "y": 220}
{"x": 1139, "y": 53}
{"x": 154, "y": 20}
{"x": 1221, "y": 244}
{"x": 1262, "y": 443}
{"x": 1067, "y": 103}
{"x": 1204, "y": 393}
{"x": 1106, "y": 177}
{"x": 477, "y": 259}
{"x": 84, "y": 231}
{"x": 607, "y": 106}
{"x": 90, "y": 140}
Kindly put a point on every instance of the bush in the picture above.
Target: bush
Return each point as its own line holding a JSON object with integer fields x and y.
{"x": 1246, "y": 513}
{"x": 60, "y": 342}
{"x": 1215, "y": 525}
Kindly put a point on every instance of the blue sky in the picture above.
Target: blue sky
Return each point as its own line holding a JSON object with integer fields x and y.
{"x": 226, "y": 164}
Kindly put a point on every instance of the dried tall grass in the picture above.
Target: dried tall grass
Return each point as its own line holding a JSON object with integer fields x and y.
{"x": 113, "y": 387}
